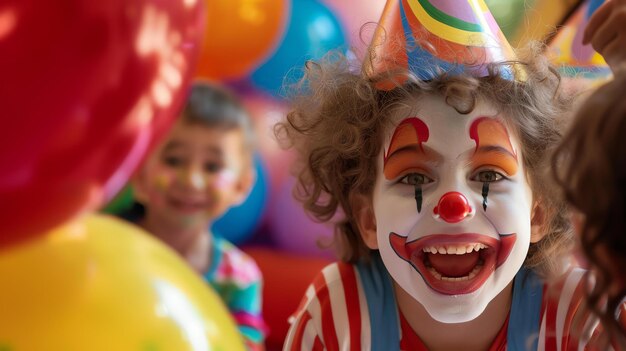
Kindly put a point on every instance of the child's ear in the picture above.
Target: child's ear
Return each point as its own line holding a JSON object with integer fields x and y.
{"x": 244, "y": 185}
{"x": 363, "y": 212}
{"x": 537, "y": 222}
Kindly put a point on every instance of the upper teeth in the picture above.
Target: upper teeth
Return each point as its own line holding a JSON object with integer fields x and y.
{"x": 454, "y": 249}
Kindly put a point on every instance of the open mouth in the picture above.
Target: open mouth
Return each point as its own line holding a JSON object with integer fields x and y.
{"x": 454, "y": 264}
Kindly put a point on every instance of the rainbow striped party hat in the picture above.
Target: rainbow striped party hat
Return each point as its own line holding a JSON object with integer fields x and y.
{"x": 434, "y": 37}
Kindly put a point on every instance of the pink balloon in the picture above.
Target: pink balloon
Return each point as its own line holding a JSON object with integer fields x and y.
{"x": 86, "y": 87}
{"x": 294, "y": 231}
{"x": 353, "y": 14}
{"x": 266, "y": 112}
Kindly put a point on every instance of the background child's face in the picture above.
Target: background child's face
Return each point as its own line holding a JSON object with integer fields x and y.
{"x": 452, "y": 207}
{"x": 195, "y": 175}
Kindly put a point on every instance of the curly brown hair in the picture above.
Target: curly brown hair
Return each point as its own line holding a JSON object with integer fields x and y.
{"x": 339, "y": 116}
{"x": 590, "y": 167}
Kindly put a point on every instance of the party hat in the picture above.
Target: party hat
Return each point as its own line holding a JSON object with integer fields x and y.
{"x": 567, "y": 51}
{"x": 434, "y": 37}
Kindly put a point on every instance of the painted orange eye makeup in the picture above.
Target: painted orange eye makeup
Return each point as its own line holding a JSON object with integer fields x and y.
{"x": 493, "y": 146}
{"x": 405, "y": 149}
{"x": 405, "y": 160}
{"x": 495, "y": 156}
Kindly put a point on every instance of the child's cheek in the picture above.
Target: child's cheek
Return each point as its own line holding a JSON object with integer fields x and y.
{"x": 217, "y": 183}
{"x": 162, "y": 182}
{"x": 159, "y": 185}
{"x": 225, "y": 178}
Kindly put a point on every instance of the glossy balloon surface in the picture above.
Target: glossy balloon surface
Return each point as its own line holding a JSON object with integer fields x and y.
{"x": 239, "y": 35}
{"x": 86, "y": 88}
{"x": 99, "y": 283}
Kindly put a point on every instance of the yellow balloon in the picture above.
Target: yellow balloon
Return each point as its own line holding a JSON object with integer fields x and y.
{"x": 101, "y": 284}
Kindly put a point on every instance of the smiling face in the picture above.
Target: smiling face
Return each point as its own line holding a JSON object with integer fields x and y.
{"x": 452, "y": 207}
{"x": 194, "y": 176}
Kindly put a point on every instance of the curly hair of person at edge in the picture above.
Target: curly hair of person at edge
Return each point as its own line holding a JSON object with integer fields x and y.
{"x": 590, "y": 167}
{"x": 339, "y": 116}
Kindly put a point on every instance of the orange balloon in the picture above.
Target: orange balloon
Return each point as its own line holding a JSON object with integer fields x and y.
{"x": 239, "y": 35}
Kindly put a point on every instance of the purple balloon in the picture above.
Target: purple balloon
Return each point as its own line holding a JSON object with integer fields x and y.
{"x": 293, "y": 230}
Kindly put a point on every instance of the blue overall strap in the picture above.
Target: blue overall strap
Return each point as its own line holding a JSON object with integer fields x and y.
{"x": 525, "y": 317}
{"x": 381, "y": 304}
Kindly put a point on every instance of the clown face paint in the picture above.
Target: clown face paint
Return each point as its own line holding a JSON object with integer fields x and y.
{"x": 463, "y": 245}
{"x": 194, "y": 176}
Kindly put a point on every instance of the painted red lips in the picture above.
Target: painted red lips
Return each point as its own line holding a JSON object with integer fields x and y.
{"x": 454, "y": 264}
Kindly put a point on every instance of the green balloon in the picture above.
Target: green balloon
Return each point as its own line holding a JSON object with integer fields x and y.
{"x": 509, "y": 14}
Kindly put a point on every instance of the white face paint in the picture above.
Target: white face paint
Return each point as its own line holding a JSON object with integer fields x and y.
{"x": 449, "y": 161}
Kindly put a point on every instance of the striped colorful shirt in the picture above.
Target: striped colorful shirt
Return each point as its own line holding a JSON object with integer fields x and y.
{"x": 352, "y": 307}
{"x": 237, "y": 279}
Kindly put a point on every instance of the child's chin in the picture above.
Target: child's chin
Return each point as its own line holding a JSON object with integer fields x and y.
{"x": 461, "y": 310}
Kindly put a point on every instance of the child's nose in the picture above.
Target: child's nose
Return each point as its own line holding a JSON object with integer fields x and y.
{"x": 194, "y": 178}
{"x": 453, "y": 207}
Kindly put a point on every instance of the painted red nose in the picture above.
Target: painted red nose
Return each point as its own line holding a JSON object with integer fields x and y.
{"x": 452, "y": 207}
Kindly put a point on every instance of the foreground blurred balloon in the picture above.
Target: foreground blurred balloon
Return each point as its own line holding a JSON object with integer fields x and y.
{"x": 101, "y": 284}
{"x": 85, "y": 88}
{"x": 239, "y": 35}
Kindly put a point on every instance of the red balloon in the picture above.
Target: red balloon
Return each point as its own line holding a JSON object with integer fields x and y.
{"x": 86, "y": 87}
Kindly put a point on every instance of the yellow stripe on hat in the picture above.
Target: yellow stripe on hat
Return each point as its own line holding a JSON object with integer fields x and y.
{"x": 448, "y": 32}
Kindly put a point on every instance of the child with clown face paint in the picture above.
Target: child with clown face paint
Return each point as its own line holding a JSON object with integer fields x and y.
{"x": 437, "y": 154}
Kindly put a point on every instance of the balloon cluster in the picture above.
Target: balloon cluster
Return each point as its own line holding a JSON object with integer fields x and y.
{"x": 88, "y": 87}
{"x": 262, "y": 47}
{"x": 268, "y": 41}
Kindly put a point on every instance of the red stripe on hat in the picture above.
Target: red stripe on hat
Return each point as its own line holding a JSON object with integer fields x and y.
{"x": 441, "y": 48}
{"x": 351, "y": 293}
{"x": 387, "y": 50}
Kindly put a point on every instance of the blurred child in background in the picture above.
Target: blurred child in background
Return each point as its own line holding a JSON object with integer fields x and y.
{"x": 593, "y": 179}
{"x": 590, "y": 166}
{"x": 202, "y": 168}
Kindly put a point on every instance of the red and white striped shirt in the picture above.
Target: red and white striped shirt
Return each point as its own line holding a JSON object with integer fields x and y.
{"x": 335, "y": 315}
